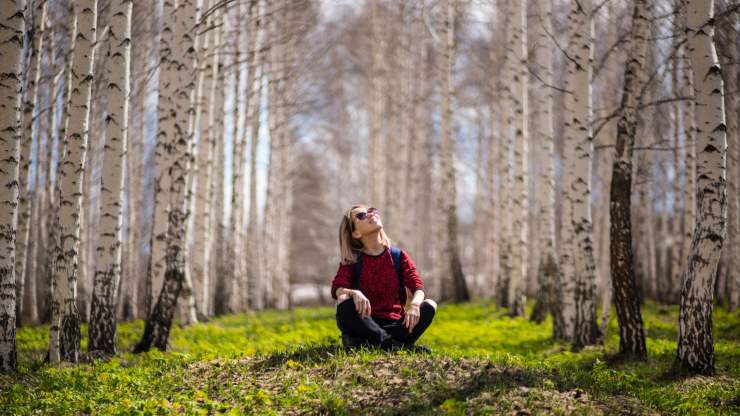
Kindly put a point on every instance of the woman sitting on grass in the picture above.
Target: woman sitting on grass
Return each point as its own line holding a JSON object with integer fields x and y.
{"x": 370, "y": 287}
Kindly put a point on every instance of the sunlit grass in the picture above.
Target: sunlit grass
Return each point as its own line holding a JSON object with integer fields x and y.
{"x": 280, "y": 361}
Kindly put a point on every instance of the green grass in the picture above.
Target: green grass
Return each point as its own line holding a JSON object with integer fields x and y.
{"x": 291, "y": 363}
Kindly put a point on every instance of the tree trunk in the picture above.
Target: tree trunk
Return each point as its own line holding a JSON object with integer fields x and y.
{"x": 518, "y": 102}
{"x": 577, "y": 261}
{"x": 30, "y": 111}
{"x": 108, "y": 261}
{"x": 181, "y": 68}
{"x": 70, "y": 185}
{"x": 452, "y": 270}
{"x": 235, "y": 220}
{"x": 253, "y": 271}
{"x": 631, "y": 332}
{"x": 11, "y": 30}
{"x": 695, "y": 342}
{"x": 548, "y": 268}
{"x": 201, "y": 254}
{"x": 162, "y": 160}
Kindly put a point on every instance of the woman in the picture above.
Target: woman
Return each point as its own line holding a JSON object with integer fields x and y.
{"x": 371, "y": 290}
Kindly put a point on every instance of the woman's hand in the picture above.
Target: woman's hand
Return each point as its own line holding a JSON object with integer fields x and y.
{"x": 362, "y": 304}
{"x": 412, "y": 317}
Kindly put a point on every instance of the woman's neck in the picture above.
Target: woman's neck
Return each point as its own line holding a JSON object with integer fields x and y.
{"x": 373, "y": 243}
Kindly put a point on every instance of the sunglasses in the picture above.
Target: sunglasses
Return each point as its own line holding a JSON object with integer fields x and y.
{"x": 363, "y": 214}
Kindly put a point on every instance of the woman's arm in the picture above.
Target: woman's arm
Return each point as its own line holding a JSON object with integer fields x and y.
{"x": 413, "y": 314}
{"x": 418, "y": 298}
{"x": 362, "y": 304}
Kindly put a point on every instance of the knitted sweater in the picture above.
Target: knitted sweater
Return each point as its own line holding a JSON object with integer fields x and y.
{"x": 379, "y": 282}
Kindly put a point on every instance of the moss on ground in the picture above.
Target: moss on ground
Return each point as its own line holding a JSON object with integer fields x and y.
{"x": 291, "y": 363}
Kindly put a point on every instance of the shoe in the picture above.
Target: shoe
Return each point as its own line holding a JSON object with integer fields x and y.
{"x": 392, "y": 345}
{"x": 419, "y": 349}
{"x": 350, "y": 342}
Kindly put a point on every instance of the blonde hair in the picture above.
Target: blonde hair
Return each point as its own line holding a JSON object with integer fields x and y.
{"x": 349, "y": 246}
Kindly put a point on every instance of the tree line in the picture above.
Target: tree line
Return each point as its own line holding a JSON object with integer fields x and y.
{"x": 187, "y": 158}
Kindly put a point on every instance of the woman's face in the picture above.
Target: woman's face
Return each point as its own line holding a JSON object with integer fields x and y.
{"x": 366, "y": 221}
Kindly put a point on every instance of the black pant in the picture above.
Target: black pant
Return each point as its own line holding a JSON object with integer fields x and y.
{"x": 379, "y": 331}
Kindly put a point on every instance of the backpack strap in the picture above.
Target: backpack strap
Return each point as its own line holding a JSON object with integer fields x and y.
{"x": 396, "y": 257}
{"x": 356, "y": 270}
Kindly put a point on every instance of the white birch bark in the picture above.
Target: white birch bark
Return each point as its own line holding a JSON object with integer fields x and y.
{"x": 733, "y": 127}
{"x": 695, "y": 342}
{"x": 254, "y": 274}
{"x": 235, "y": 220}
{"x": 518, "y": 102}
{"x": 11, "y": 32}
{"x": 182, "y": 64}
{"x": 71, "y": 171}
{"x": 578, "y": 265}
{"x": 544, "y": 133}
{"x": 217, "y": 130}
{"x": 505, "y": 166}
{"x": 201, "y": 254}
{"x": 451, "y": 269}
{"x": 108, "y": 261}
{"x": 30, "y": 111}
{"x": 162, "y": 161}
{"x": 250, "y": 130}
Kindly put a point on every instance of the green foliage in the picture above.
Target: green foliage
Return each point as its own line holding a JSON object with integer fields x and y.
{"x": 290, "y": 362}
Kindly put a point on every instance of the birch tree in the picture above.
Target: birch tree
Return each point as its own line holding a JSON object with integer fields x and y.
{"x": 235, "y": 220}
{"x": 108, "y": 261}
{"x": 30, "y": 109}
{"x": 11, "y": 31}
{"x": 631, "y": 332}
{"x": 207, "y": 75}
{"x": 695, "y": 341}
{"x": 452, "y": 268}
{"x": 518, "y": 102}
{"x": 577, "y": 262}
{"x": 180, "y": 68}
{"x": 70, "y": 184}
{"x": 162, "y": 161}
{"x": 548, "y": 268}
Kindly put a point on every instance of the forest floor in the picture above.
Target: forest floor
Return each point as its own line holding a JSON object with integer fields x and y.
{"x": 292, "y": 363}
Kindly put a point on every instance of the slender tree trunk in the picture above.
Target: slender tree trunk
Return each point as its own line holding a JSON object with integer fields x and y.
{"x": 577, "y": 262}
{"x": 631, "y": 332}
{"x": 253, "y": 271}
{"x": 733, "y": 128}
{"x": 676, "y": 257}
{"x": 11, "y": 30}
{"x": 108, "y": 262}
{"x": 520, "y": 207}
{"x": 448, "y": 198}
{"x": 181, "y": 65}
{"x": 30, "y": 111}
{"x": 548, "y": 268}
{"x": 695, "y": 342}
{"x": 251, "y": 126}
{"x": 162, "y": 160}
{"x": 217, "y": 129}
{"x": 201, "y": 254}
{"x": 235, "y": 220}
{"x": 70, "y": 184}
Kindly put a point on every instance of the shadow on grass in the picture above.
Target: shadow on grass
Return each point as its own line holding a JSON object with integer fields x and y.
{"x": 492, "y": 378}
{"x": 309, "y": 354}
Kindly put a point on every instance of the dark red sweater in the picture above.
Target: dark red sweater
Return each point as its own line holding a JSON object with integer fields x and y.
{"x": 379, "y": 283}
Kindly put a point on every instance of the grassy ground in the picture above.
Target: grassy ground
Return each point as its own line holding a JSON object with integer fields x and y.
{"x": 291, "y": 363}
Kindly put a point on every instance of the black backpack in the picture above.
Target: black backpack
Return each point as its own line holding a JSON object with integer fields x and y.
{"x": 396, "y": 256}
